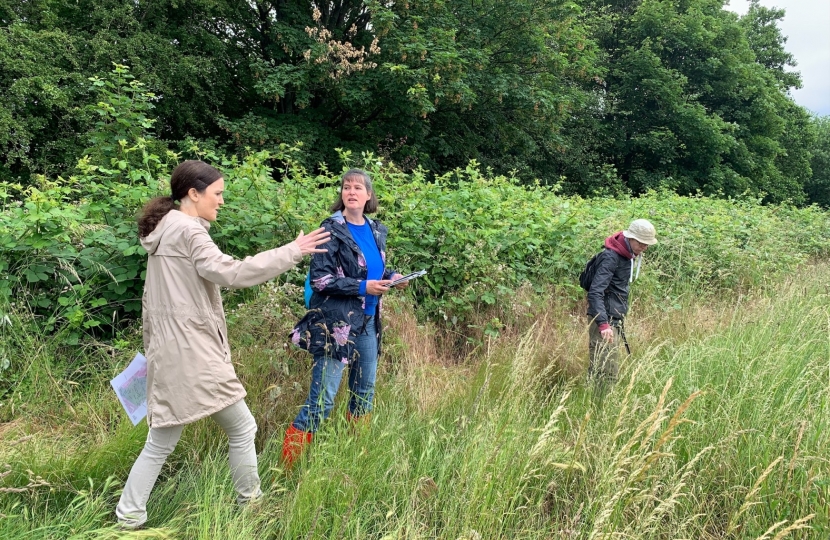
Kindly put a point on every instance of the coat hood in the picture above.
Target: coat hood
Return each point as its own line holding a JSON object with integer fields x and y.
{"x": 151, "y": 242}
{"x": 616, "y": 243}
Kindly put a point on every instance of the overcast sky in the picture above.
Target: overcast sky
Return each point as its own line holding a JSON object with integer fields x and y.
{"x": 807, "y": 27}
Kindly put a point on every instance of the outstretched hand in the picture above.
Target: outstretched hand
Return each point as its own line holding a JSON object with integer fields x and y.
{"x": 308, "y": 242}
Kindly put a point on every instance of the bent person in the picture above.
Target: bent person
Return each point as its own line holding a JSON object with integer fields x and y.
{"x": 342, "y": 329}
{"x": 189, "y": 370}
{"x": 614, "y": 269}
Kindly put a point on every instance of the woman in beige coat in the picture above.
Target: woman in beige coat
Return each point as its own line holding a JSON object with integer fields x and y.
{"x": 189, "y": 370}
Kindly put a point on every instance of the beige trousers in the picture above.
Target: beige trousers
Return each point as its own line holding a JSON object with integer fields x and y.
{"x": 239, "y": 424}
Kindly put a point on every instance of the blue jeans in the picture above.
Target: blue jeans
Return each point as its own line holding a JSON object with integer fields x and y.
{"x": 326, "y": 374}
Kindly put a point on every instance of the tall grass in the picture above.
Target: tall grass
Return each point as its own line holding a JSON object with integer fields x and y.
{"x": 717, "y": 429}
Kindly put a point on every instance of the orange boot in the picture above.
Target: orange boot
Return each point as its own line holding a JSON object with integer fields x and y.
{"x": 294, "y": 443}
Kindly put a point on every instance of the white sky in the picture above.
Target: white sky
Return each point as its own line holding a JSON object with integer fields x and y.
{"x": 807, "y": 27}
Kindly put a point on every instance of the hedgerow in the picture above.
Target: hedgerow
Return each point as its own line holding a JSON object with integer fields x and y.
{"x": 70, "y": 255}
{"x": 69, "y": 247}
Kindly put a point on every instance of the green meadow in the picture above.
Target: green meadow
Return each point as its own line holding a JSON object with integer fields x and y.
{"x": 717, "y": 429}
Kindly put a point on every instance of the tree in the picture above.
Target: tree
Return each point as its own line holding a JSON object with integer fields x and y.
{"x": 818, "y": 186}
{"x": 600, "y": 96}
{"x": 687, "y": 103}
{"x": 50, "y": 48}
{"x": 431, "y": 83}
{"x": 41, "y": 103}
{"x": 437, "y": 84}
{"x": 768, "y": 43}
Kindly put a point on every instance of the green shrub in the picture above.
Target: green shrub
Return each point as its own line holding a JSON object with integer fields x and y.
{"x": 70, "y": 248}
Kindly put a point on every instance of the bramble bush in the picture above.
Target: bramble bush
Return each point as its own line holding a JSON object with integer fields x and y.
{"x": 69, "y": 249}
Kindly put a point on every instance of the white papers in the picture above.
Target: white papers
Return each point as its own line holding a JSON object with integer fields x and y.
{"x": 131, "y": 388}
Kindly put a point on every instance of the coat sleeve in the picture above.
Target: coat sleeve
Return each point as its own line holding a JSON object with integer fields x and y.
{"x": 606, "y": 266}
{"x": 224, "y": 270}
{"x": 326, "y": 272}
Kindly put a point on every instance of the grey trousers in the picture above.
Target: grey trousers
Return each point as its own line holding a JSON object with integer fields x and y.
{"x": 604, "y": 367}
{"x": 237, "y": 422}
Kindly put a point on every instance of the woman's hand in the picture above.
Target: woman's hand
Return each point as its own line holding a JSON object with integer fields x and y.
{"x": 377, "y": 287}
{"x": 308, "y": 242}
{"x": 403, "y": 285}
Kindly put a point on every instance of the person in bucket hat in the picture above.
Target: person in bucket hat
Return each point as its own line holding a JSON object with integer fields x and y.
{"x": 613, "y": 270}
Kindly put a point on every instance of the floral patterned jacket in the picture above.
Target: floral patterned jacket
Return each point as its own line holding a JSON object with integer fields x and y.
{"x": 335, "y": 315}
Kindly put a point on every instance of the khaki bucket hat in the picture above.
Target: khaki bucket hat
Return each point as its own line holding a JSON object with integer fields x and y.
{"x": 643, "y": 231}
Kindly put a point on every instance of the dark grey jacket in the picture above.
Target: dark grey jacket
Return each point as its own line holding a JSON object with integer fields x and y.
{"x": 608, "y": 295}
{"x": 335, "y": 315}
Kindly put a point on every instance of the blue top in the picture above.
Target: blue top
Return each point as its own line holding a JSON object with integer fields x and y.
{"x": 365, "y": 240}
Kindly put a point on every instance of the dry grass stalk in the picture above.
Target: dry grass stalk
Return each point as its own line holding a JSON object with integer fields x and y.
{"x": 748, "y": 502}
{"x": 21, "y": 440}
{"x": 626, "y": 401}
{"x": 35, "y": 481}
{"x": 641, "y": 433}
{"x": 795, "y": 451}
{"x": 522, "y": 372}
{"x": 644, "y": 493}
{"x": 429, "y": 372}
{"x": 547, "y": 436}
{"x": 655, "y": 520}
{"x": 580, "y": 437}
{"x": 314, "y": 523}
{"x": 796, "y": 525}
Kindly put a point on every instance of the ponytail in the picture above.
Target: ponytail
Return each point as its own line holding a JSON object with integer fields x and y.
{"x": 152, "y": 213}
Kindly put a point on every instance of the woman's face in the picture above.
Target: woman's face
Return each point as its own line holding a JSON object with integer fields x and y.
{"x": 355, "y": 195}
{"x": 207, "y": 203}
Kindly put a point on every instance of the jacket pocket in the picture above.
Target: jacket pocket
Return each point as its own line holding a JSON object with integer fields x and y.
{"x": 223, "y": 344}
{"x": 204, "y": 336}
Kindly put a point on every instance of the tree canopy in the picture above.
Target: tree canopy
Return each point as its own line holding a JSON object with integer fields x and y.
{"x": 596, "y": 96}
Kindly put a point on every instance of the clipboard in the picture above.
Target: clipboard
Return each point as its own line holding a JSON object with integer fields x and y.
{"x": 408, "y": 277}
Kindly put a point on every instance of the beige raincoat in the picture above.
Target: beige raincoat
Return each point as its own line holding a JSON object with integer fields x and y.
{"x": 189, "y": 370}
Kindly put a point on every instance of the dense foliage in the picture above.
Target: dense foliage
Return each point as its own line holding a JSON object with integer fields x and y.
{"x": 818, "y": 188}
{"x": 597, "y": 96}
{"x": 69, "y": 250}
